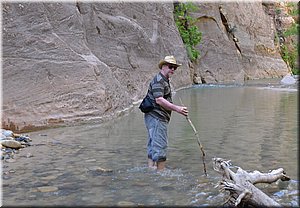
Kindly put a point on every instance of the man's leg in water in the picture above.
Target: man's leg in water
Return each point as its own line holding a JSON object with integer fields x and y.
{"x": 151, "y": 164}
{"x": 161, "y": 165}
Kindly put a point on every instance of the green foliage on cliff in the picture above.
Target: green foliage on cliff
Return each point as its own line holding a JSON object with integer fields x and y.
{"x": 189, "y": 32}
{"x": 293, "y": 30}
{"x": 290, "y": 47}
{"x": 290, "y": 57}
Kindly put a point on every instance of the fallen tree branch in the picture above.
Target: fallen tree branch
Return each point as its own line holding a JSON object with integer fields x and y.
{"x": 240, "y": 184}
{"x": 274, "y": 175}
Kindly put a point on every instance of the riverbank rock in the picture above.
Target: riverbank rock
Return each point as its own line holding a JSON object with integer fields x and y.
{"x": 11, "y": 143}
{"x": 6, "y": 133}
{"x": 288, "y": 80}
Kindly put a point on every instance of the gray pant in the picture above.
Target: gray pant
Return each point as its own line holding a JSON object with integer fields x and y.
{"x": 157, "y": 138}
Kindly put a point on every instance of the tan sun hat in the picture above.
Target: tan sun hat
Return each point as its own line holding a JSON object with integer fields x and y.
{"x": 168, "y": 60}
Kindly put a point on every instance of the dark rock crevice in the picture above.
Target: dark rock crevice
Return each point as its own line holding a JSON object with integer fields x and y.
{"x": 230, "y": 30}
{"x": 78, "y": 7}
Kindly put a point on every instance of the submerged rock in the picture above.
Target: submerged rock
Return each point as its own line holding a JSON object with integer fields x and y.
{"x": 96, "y": 171}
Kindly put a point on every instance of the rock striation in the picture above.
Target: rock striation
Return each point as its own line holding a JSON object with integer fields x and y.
{"x": 74, "y": 62}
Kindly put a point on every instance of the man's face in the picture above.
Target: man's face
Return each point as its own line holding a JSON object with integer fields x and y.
{"x": 171, "y": 70}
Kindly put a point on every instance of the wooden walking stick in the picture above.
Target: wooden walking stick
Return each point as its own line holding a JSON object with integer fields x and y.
{"x": 198, "y": 139}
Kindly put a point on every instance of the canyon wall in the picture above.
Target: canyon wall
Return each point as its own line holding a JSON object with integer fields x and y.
{"x": 238, "y": 43}
{"x": 66, "y": 63}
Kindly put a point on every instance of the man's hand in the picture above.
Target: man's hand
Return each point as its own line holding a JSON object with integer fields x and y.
{"x": 170, "y": 106}
{"x": 182, "y": 110}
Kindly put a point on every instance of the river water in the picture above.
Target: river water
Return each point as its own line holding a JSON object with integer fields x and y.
{"x": 255, "y": 126}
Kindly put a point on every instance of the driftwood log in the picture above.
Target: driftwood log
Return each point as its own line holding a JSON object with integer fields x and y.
{"x": 240, "y": 185}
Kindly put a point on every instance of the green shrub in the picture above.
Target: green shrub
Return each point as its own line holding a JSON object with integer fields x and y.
{"x": 278, "y": 11}
{"x": 190, "y": 34}
{"x": 290, "y": 57}
{"x": 290, "y": 50}
{"x": 293, "y": 30}
{"x": 294, "y": 8}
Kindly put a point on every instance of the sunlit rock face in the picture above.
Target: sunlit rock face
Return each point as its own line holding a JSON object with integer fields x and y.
{"x": 65, "y": 62}
{"x": 77, "y": 62}
{"x": 237, "y": 43}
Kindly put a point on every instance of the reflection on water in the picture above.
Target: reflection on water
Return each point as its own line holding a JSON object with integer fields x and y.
{"x": 255, "y": 126}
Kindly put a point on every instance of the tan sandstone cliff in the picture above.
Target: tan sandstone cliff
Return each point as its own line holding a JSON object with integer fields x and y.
{"x": 238, "y": 43}
{"x": 73, "y": 62}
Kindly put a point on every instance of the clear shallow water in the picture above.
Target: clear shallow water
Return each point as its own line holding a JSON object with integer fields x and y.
{"x": 254, "y": 126}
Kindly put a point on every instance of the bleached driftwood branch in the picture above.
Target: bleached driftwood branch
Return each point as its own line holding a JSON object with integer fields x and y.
{"x": 241, "y": 184}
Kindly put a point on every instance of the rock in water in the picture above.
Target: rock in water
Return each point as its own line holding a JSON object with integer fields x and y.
{"x": 47, "y": 188}
{"x": 11, "y": 144}
{"x": 6, "y": 133}
{"x": 102, "y": 170}
{"x": 126, "y": 203}
{"x": 288, "y": 80}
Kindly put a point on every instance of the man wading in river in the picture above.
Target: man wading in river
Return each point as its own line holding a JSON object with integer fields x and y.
{"x": 157, "y": 120}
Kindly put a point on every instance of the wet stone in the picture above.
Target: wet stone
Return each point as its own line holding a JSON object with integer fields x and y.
{"x": 29, "y": 155}
{"x": 32, "y": 197}
{"x": 6, "y": 177}
{"x": 6, "y": 133}
{"x": 11, "y": 171}
{"x": 280, "y": 193}
{"x": 91, "y": 160}
{"x": 96, "y": 171}
{"x": 8, "y": 150}
{"x": 11, "y": 143}
{"x": 125, "y": 203}
{"x": 24, "y": 139}
{"x": 47, "y": 189}
{"x": 294, "y": 203}
{"x": 100, "y": 169}
{"x": 10, "y": 160}
{"x": 51, "y": 177}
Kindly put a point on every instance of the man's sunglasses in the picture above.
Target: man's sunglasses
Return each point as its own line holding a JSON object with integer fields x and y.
{"x": 172, "y": 67}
